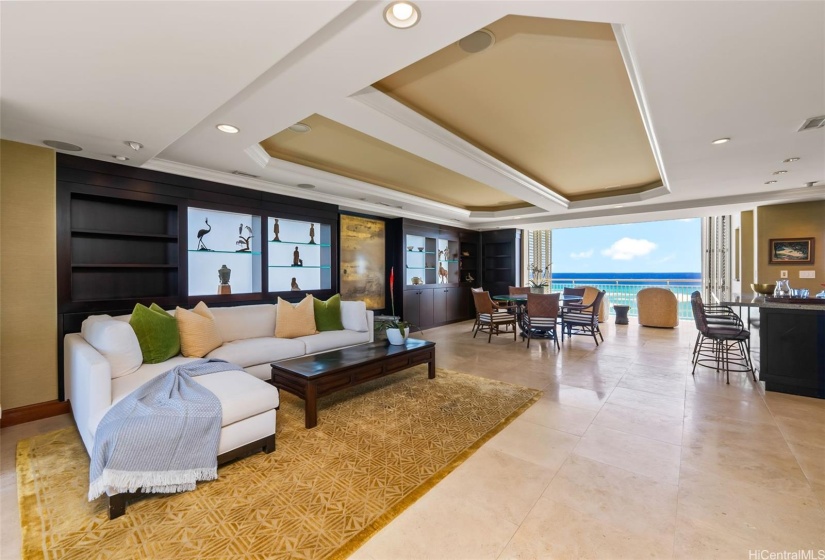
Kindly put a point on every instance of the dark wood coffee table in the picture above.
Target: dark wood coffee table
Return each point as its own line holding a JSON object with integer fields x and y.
{"x": 310, "y": 377}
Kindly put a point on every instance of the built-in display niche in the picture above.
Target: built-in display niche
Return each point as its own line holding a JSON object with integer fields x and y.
{"x": 421, "y": 260}
{"x": 224, "y": 252}
{"x": 299, "y": 255}
{"x": 447, "y": 271}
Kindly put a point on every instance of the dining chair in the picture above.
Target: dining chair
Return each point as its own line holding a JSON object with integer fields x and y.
{"x": 578, "y": 292}
{"x": 518, "y": 291}
{"x": 488, "y": 320}
{"x": 498, "y": 307}
{"x": 542, "y": 317}
{"x": 729, "y": 342}
{"x": 580, "y": 319}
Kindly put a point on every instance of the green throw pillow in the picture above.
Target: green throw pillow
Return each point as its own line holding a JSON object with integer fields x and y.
{"x": 157, "y": 333}
{"x": 328, "y": 314}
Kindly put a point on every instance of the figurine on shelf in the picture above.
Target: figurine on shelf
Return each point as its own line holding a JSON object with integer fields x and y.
{"x": 312, "y": 234}
{"x": 442, "y": 274}
{"x": 276, "y": 229}
{"x": 470, "y": 278}
{"x": 244, "y": 241}
{"x": 223, "y": 275}
{"x": 201, "y": 233}
{"x": 296, "y": 258}
{"x": 294, "y": 285}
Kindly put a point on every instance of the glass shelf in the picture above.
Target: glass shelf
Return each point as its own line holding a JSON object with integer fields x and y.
{"x": 420, "y": 268}
{"x": 296, "y": 267}
{"x": 225, "y": 252}
{"x": 450, "y": 261}
{"x": 422, "y": 252}
{"x": 299, "y": 243}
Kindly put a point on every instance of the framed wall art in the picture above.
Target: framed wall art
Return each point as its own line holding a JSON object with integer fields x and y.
{"x": 798, "y": 250}
{"x": 362, "y": 260}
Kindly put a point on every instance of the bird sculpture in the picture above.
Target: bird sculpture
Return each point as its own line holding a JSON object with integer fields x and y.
{"x": 201, "y": 233}
{"x": 244, "y": 241}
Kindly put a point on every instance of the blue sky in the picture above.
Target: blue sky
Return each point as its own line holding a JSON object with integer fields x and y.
{"x": 668, "y": 246}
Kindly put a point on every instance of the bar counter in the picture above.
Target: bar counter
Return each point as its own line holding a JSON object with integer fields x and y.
{"x": 791, "y": 342}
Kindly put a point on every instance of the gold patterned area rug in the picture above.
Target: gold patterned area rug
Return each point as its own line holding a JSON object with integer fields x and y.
{"x": 377, "y": 448}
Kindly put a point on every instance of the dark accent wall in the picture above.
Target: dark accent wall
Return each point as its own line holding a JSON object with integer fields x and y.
{"x": 122, "y": 239}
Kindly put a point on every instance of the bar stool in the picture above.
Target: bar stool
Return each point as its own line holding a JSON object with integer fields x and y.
{"x": 725, "y": 342}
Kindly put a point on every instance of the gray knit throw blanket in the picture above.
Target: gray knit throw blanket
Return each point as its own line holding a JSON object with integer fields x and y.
{"x": 162, "y": 437}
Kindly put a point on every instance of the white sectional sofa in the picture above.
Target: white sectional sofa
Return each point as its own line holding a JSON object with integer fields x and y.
{"x": 96, "y": 376}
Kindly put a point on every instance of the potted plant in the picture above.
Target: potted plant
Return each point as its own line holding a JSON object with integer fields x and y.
{"x": 397, "y": 330}
{"x": 539, "y": 278}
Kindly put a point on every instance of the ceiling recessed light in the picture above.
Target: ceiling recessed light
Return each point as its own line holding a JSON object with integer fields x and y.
{"x": 134, "y": 145}
{"x": 300, "y": 127}
{"x": 780, "y": 172}
{"x": 721, "y": 141}
{"x": 402, "y": 15}
{"x": 790, "y": 160}
{"x": 770, "y": 182}
{"x": 305, "y": 186}
{"x": 121, "y": 158}
{"x": 65, "y": 146}
{"x": 228, "y": 128}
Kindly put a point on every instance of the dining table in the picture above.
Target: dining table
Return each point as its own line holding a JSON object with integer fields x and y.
{"x": 521, "y": 310}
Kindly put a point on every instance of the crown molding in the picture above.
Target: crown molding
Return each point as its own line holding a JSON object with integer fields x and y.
{"x": 641, "y": 99}
{"x": 344, "y": 203}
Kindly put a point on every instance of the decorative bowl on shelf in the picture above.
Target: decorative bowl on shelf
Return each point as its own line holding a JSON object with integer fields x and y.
{"x": 420, "y": 249}
{"x": 409, "y": 247}
{"x": 764, "y": 289}
{"x": 416, "y": 280}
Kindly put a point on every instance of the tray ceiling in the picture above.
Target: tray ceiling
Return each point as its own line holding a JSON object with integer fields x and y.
{"x": 550, "y": 98}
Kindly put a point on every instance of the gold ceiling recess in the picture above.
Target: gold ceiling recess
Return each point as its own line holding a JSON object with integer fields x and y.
{"x": 549, "y": 97}
{"x": 336, "y": 148}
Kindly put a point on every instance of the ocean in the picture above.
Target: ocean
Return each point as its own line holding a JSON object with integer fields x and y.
{"x": 628, "y": 278}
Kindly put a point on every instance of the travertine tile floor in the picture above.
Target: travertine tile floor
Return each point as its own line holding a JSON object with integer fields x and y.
{"x": 625, "y": 456}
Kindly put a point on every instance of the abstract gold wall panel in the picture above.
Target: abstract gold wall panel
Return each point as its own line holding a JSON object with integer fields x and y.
{"x": 363, "y": 273}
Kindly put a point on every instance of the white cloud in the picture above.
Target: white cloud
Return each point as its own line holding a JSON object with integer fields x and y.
{"x": 583, "y": 255}
{"x": 627, "y": 248}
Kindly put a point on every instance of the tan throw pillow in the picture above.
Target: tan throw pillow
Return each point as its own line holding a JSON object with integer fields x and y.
{"x": 199, "y": 334}
{"x": 295, "y": 321}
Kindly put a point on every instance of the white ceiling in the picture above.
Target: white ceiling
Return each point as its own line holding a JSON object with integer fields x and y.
{"x": 164, "y": 74}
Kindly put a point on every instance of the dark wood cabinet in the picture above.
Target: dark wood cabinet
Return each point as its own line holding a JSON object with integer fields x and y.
{"x": 117, "y": 248}
{"x": 501, "y": 263}
{"x": 449, "y": 304}
{"x": 432, "y": 290}
{"x": 418, "y": 307}
{"x": 792, "y": 350}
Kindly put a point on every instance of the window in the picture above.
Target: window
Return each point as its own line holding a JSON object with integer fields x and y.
{"x": 539, "y": 251}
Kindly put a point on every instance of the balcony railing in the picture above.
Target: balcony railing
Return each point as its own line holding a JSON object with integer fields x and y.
{"x": 622, "y": 291}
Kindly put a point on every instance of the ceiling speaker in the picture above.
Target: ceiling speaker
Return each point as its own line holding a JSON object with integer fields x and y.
{"x": 477, "y": 41}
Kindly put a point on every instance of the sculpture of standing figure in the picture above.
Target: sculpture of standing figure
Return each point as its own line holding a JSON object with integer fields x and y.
{"x": 295, "y": 286}
{"x": 276, "y": 229}
{"x": 312, "y": 234}
{"x": 296, "y": 258}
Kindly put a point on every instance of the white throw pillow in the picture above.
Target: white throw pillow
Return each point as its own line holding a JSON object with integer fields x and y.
{"x": 354, "y": 316}
{"x": 117, "y": 342}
